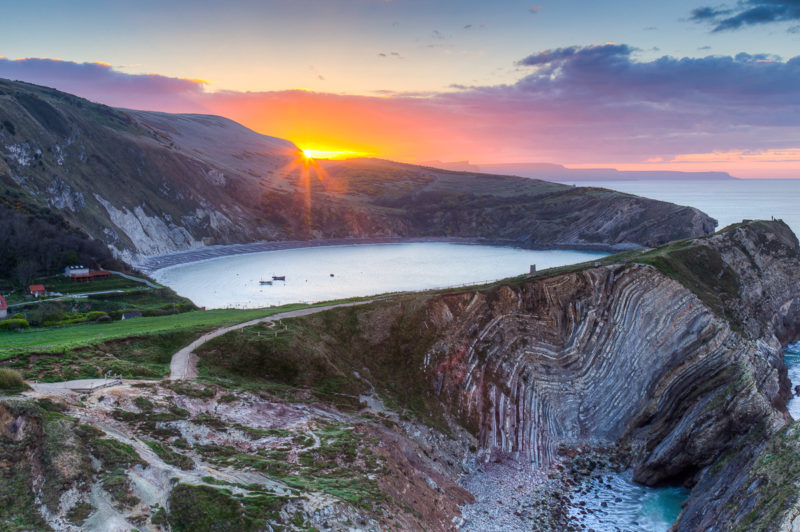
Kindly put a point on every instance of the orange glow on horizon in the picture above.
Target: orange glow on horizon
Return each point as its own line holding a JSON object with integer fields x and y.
{"x": 330, "y": 126}
{"x": 313, "y": 153}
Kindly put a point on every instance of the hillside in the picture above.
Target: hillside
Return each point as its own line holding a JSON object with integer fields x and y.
{"x": 467, "y": 409}
{"x": 148, "y": 183}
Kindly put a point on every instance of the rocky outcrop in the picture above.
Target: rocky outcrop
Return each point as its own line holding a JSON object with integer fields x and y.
{"x": 674, "y": 354}
{"x": 150, "y": 183}
{"x": 623, "y": 352}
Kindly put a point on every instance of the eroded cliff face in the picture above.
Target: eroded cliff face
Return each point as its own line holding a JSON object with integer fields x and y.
{"x": 147, "y": 183}
{"x": 603, "y": 354}
{"x": 675, "y": 354}
{"x": 625, "y": 354}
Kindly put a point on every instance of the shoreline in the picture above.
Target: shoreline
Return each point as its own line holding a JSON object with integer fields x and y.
{"x": 150, "y": 264}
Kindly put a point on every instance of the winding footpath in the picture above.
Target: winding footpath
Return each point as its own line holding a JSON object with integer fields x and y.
{"x": 183, "y": 365}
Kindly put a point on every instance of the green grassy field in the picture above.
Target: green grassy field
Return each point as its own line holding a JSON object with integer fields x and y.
{"x": 53, "y": 339}
{"x": 61, "y": 284}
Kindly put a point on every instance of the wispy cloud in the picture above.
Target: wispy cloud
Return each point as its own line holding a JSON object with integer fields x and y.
{"x": 747, "y": 13}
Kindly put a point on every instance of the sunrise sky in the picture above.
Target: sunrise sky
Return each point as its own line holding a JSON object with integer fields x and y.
{"x": 640, "y": 84}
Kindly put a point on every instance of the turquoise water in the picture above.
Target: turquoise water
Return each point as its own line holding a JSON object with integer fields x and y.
{"x": 792, "y": 359}
{"x": 614, "y": 502}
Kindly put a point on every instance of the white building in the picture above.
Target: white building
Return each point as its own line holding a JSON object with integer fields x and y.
{"x": 69, "y": 271}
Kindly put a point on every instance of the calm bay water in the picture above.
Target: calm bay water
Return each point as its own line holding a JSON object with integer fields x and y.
{"x": 372, "y": 269}
{"x": 335, "y": 272}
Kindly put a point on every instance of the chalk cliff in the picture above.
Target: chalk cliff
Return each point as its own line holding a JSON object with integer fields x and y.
{"x": 149, "y": 183}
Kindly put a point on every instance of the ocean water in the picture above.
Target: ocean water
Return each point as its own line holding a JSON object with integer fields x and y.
{"x": 791, "y": 357}
{"x": 728, "y": 201}
{"x": 614, "y": 502}
{"x": 336, "y": 272}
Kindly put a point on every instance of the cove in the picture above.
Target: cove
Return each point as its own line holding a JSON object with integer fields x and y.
{"x": 337, "y": 272}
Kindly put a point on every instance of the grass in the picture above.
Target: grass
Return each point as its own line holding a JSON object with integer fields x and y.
{"x": 66, "y": 286}
{"x": 205, "y": 509}
{"x": 79, "y": 513}
{"x": 114, "y": 454}
{"x": 775, "y": 472}
{"x": 343, "y": 466}
{"x": 143, "y": 358}
{"x": 59, "y": 283}
{"x": 58, "y": 339}
{"x": 320, "y": 354}
{"x": 10, "y": 379}
{"x": 171, "y": 457}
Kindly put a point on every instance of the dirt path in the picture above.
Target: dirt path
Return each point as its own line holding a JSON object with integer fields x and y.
{"x": 139, "y": 279}
{"x": 183, "y": 365}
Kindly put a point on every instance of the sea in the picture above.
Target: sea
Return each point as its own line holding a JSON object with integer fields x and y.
{"x": 315, "y": 274}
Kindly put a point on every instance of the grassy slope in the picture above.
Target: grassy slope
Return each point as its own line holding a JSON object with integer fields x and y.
{"x": 323, "y": 351}
{"x": 56, "y": 339}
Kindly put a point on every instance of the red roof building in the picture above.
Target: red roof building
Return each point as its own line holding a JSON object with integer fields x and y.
{"x": 91, "y": 276}
{"x": 36, "y": 290}
{"x": 3, "y": 308}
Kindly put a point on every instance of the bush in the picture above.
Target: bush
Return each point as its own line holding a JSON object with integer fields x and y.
{"x": 18, "y": 316}
{"x": 14, "y": 323}
{"x": 10, "y": 379}
{"x": 95, "y": 315}
{"x": 54, "y": 316}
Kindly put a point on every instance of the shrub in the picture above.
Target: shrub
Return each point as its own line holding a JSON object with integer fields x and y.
{"x": 18, "y": 316}
{"x": 53, "y": 316}
{"x": 14, "y": 323}
{"x": 95, "y": 315}
{"x": 10, "y": 379}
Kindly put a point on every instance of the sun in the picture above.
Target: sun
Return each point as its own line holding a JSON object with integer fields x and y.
{"x": 309, "y": 153}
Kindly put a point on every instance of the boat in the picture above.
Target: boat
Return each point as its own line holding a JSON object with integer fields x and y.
{"x": 262, "y": 281}
{"x": 278, "y": 277}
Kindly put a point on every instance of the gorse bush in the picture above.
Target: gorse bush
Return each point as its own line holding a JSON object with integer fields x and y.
{"x": 10, "y": 379}
{"x": 14, "y": 323}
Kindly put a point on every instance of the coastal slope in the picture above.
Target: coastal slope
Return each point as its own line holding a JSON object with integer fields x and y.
{"x": 667, "y": 362}
{"x": 673, "y": 356}
{"x": 148, "y": 183}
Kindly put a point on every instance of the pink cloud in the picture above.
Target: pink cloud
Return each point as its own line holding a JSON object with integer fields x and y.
{"x": 578, "y": 105}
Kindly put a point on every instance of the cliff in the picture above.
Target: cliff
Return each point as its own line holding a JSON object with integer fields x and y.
{"x": 675, "y": 354}
{"x": 148, "y": 183}
{"x": 667, "y": 361}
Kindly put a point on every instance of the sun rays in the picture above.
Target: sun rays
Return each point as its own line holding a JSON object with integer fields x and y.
{"x": 307, "y": 176}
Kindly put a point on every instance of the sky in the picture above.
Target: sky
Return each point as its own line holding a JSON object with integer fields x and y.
{"x": 645, "y": 84}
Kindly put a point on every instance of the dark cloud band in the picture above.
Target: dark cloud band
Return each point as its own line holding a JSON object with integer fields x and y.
{"x": 748, "y": 13}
